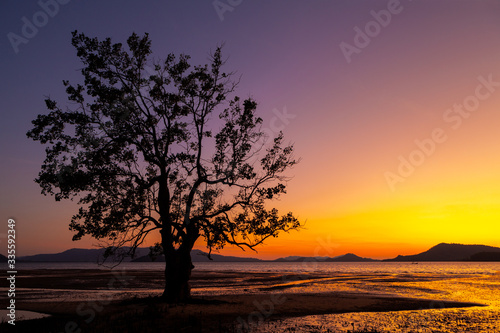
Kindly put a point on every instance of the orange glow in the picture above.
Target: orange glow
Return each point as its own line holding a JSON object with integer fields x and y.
{"x": 351, "y": 123}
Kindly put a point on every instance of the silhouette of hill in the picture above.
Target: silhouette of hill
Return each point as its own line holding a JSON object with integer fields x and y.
{"x": 93, "y": 255}
{"x": 485, "y": 256}
{"x": 200, "y": 256}
{"x": 440, "y": 252}
{"x": 77, "y": 255}
{"x": 3, "y": 258}
{"x": 448, "y": 252}
{"x": 349, "y": 257}
{"x": 300, "y": 259}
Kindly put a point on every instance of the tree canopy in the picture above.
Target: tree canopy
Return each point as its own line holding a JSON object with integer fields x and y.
{"x": 148, "y": 145}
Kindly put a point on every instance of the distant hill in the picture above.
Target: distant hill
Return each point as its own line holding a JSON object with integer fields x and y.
{"x": 200, "y": 256}
{"x": 3, "y": 258}
{"x": 448, "y": 252}
{"x": 440, "y": 252}
{"x": 76, "y": 255}
{"x": 301, "y": 259}
{"x": 349, "y": 257}
{"x": 485, "y": 256}
{"x": 93, "y": 255}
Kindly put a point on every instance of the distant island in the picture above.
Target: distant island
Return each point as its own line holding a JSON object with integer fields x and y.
{"x": 440, "y": 252}
{"x": 454, "y": 252}
{"x": 77, "y": 255}
{"x": 142, "y": 255}
{"x": 349, "y": 257}
{"x": 200, "y": 256}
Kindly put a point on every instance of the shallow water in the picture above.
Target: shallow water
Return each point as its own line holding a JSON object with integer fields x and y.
{"x": 310, "y": 266}
{"x": 462, "y": 281}
{"x": 477, "y": 288}
{"x": 21, "y": 315}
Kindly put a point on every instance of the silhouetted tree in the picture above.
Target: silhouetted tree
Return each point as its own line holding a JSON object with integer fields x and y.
{"x": 161, "y": 148}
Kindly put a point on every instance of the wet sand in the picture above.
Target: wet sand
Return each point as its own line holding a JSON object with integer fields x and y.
{"x": 126, "y": 301}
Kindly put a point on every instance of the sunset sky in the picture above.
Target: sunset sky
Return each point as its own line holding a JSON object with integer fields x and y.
{"x": 393, "y": 107}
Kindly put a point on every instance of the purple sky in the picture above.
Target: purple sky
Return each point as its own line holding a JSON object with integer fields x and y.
{"x": 350, "y": 119}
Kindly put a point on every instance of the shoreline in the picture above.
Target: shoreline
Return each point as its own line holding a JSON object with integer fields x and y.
{"x": 124, "y": 301}
{"x": 221, "y": 313}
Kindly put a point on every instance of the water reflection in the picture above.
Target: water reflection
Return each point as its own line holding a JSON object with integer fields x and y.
{"x": 23, "y": 315}
{"x": 467, "y": 282}
{"x": 483, "y": 289}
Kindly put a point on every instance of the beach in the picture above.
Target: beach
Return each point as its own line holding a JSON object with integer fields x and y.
{"x": 83, "y": 300}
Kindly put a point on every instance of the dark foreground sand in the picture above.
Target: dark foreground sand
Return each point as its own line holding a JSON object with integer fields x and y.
{"x": 102, "y": 301}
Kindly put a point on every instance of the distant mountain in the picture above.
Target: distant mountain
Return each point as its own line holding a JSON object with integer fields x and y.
{"x": 95, "y": 255}
{"x": 485, "y": 256}
{"x": 200, "y": 256}
{"x": 448, "y": 252}
{"x": 301, "y": 259}
{"x": 440, "y": 252}
{"x": 3, "y": 258}
{"x": 349, "y": 257}
{"x": 77, "y": 255}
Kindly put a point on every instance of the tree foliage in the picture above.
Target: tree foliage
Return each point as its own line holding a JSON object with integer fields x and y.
{"x": 163, "y": 146}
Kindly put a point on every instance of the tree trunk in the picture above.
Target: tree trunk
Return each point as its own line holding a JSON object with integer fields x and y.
{"x": 178, "y": 268}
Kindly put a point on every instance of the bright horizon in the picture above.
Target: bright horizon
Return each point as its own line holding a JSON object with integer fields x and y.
{"x": 320, "y": 251}
{"x": 398, "y": 140}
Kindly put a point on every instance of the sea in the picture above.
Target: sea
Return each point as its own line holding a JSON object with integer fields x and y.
{"x": 478, "y": 268}
{"x": 437, "y": 282}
